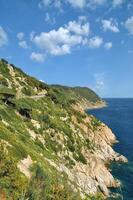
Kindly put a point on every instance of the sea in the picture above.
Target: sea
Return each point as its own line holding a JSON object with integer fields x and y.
{"x": 118, "y": 115}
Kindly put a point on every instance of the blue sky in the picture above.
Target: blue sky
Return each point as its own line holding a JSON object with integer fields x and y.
{"x": 71, "y": 42}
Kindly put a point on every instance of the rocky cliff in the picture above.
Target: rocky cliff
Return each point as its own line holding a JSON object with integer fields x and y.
{"x": 50, "y": 148}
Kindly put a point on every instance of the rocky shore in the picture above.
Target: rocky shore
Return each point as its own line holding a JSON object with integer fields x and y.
{"x": 96, "y": 175}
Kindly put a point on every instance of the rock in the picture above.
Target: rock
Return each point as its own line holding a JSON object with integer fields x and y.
{"x": 104, "y": 189}
{"x": 24, "y": 166}
{"x": 121, "y": 159}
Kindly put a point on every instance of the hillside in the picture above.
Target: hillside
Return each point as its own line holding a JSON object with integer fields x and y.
{"x": 80, "y": 92}
{"x": 50, "y": 149}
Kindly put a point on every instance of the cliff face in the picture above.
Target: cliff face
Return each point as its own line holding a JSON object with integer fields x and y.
{"x": 95, "y": 175}
{"x": 50, "y": 148}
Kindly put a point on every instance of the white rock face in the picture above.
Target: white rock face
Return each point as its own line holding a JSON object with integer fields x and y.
{"x": 95, "y": 174}
{"x": 24, "y": 166}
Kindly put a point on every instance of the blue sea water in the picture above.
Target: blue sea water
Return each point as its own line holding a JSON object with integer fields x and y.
{"x": 118, "y": 115}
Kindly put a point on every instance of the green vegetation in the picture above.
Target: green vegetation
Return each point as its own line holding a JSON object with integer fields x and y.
{"x": 41, "y": 128}
{"x": 11, "y": 181}
{"x": 7, "y": 91}
{"x": 95, "y": 123}
{"x": 79, "y": 92}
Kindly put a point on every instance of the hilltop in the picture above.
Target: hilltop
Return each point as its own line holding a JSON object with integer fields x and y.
{"x": 50, "y": 149}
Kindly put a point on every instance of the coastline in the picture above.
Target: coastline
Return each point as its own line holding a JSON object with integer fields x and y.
{"x": 117, "y": 158}
{"x": 89, "y": 106}
{"x": 96, "y": 174}
{"x": 99, "y": 105}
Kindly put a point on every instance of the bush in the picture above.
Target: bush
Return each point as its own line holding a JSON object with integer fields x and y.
{"x": 80, "y": 157}
{"x": 27, "y": 91}
{"x": 95, "y": 123}
{"x": 39, "y": 183}
{"x": 12, "y": 183}
{"x": 71, "y": 146}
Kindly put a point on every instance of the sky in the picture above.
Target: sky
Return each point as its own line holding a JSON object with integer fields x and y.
{"x": 71, "y": 42}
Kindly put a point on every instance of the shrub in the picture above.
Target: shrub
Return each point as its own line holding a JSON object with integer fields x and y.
{"x": 71, "y": 146}
{"x": 80, "y": 157}
{"x": 4, "y": 61}
{"x": 95, "y": 123}
{"x": 27, "y": 91}
{"x": 39, "y": 184}
{"x": 11, "y": 181}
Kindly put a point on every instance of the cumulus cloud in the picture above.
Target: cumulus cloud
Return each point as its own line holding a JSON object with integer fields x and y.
{"x": 3, "y": 37}
{"x": 95, "y": 42}
{"x": 110, "y": 25}
{"x": 60, "y": 41}
{"x": 46, "y": 3}
{"x": 58, "y": 3}
{"x": 61, "y": 50}
{"x": 80, "y": 4}
{"x": 20, "y": 36}
{"x": 23, "y": 44}
{"x": 77, "y": 28}
{"x": 38, "y": 57}
{"x": 77, "y": 3}
{"x": 129, "y": 25}
{"x": 95, "y": 3}
{"x": 117, "y": 3}
{"x": 108, "y": 45}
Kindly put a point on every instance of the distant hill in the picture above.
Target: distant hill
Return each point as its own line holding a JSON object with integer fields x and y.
{"x": 81, "y": 92}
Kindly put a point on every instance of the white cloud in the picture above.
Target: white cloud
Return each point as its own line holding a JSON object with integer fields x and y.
{"x": 32, "y": 35}
{"x": 58, "y": 51}
{"x": 82, "y": 18}
{"x": 20, "y": 36}
{"x": 95, "y": 42}
{"x": 129, "y": 25}
{"x": 108, "y": 45}
{"x": 57, "y": 4}
{"x": 81, "y": 4}
{"x": 77, "y": 3}
{"x": 117, "y": 3}
{"x": 94, "y": 3}
{"x": 110, "y": 25}
{"x": 23, "y": 44}
{"x": 99, "y": 82}
{"x": 49, "y": 19}
{"x": 38, "y": 57}
{"x": 99, "y": 2}
{"x": 46, "y": 3}
{"x": 78, "y": 28}
{"x": 3, "y": 37}
{"x": 56, "y": 37}
{"x": 86, "y": 3}
{"x": 61, "y": 41}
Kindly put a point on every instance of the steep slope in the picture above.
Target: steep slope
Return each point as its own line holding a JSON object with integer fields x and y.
{"x": 49, "y": 147}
